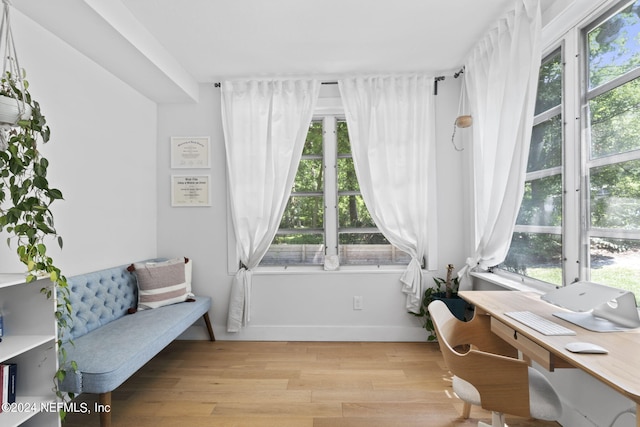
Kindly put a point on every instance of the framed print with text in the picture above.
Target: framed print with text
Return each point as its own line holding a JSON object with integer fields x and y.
{"x": 190, "y": 190}
{"x": 190, "y": 152}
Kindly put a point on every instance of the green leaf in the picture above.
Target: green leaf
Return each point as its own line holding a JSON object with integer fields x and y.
{"x": 45, "y": 228}
{"x": 40, "y": 182}
{"x": 54, "y": 193}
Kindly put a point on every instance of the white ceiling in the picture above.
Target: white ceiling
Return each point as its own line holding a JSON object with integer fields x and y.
{"x": 164, "y": 48}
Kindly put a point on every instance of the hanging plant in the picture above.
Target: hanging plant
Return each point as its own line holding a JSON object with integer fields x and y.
{"x": 25, "y": 193}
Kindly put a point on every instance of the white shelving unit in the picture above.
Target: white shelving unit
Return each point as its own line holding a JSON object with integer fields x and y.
{"x": 29, "y": 341}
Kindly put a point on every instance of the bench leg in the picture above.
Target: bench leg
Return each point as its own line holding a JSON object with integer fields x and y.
{"x": 104, "y": 400}
{"x": 209, "y": 328}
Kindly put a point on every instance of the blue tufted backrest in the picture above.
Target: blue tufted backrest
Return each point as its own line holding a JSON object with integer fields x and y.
{"x": 98, "y": 298}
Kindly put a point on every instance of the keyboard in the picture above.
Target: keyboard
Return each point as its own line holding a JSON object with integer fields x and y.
{"x": 540, "y": 324}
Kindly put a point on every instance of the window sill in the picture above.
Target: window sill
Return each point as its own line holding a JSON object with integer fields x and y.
{"x": 510, "y": 284}
{"x": 318, "y": 269}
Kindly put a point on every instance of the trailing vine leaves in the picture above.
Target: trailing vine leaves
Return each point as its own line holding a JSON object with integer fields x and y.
{"x": 25, "y": 208}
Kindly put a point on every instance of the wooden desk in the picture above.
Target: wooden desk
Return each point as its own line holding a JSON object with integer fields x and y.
{"x": 619, "y": 368}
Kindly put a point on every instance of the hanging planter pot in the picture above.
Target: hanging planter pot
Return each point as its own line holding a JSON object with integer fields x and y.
{"x": 13, "y": 105}
{"x": 12, "y": 110}
{"x": 464, "y": 119}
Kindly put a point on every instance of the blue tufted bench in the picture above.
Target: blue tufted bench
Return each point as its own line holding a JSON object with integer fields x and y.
{"x": 109, "y": 344}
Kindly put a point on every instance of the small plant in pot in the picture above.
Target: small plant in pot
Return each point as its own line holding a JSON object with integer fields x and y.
{"x": 457, "y": 305}
{"x": 445, "y": 290}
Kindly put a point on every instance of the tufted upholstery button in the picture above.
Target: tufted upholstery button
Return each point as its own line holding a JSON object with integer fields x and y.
{"x": 99, "y": 297}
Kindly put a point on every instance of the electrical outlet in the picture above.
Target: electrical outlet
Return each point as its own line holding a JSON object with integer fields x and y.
{"x": 358, "y": 303}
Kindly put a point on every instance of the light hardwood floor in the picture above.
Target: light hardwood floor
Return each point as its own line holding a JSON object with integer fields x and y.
{"x": 290, "y": 384}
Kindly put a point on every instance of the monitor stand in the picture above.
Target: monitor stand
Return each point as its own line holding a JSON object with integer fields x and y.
{"x": 610, "y": 309}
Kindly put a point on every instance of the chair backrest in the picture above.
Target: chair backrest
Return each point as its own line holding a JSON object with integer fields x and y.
{"x": 473, "y": 353}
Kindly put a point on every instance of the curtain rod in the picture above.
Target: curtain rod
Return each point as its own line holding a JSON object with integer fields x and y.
{"x": 435, "y": 86}
{"x": 218, "y": 84}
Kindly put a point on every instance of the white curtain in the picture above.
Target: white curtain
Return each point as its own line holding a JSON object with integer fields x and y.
{"x": 501, "y": 77}
{"x": 391, "y": 129}
{"x": 265, "y": 125}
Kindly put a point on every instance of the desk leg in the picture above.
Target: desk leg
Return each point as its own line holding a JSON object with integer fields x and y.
{"x": 637, "y": 414}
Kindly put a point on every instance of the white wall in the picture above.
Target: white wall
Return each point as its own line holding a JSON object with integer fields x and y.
{"x": 296, "y": 305}
{"x": 101, "y": 153}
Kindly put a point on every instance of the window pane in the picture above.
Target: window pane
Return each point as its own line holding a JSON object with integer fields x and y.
{"x": 352, "y": 212}
{"x": 313, "y": 144}
{"x": 613, "y": 46}
{"x": 347, "y": 180}
{"x": 362, "y": 239}
{"x": 546, "y": 145}
{"x": 615, "y": 196}
{"x": 616, "y": 263}
{"x": 536, "y": 255}
{"x": 542, "y": 202}
{"x": 310, "y": 176}
{"x": 615, "y": 120}
{"x": 344, "y": 146}
{"x": 303, "y": 212}
{"x": 295, "y": 249}
{"x": 549, "y": 84}
{"x": 369, "y": 248}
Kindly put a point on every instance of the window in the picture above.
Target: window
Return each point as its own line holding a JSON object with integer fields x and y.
{"x": 326, "y": 214}
{"x": 536, "y": 245}
{"x": 580, "y": 215}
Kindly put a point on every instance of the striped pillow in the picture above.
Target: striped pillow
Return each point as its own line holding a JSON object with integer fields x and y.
{"x": 160, "y": 283}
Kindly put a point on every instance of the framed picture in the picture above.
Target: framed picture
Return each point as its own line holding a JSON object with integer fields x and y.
{"x": 190, "y": 152}
{"x": 190, "y": 190}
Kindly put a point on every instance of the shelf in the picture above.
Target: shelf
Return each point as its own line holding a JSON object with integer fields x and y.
{"x": 25, "y": 408}
{"x": 11, "y": 279}
{"x": 29, "y": 342}
{"x": 13, "y": 346}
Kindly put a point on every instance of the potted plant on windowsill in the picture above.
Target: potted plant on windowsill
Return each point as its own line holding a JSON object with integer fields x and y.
{"x": 445, "y": 290}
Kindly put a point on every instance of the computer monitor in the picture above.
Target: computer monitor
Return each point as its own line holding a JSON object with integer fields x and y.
{"x": 596, "y": 307}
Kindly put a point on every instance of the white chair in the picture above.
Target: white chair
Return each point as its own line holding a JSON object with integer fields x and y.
{"x": 486, "y": 370}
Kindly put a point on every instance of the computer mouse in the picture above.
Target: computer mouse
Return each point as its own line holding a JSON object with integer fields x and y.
{"x": 585, "y": 347}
